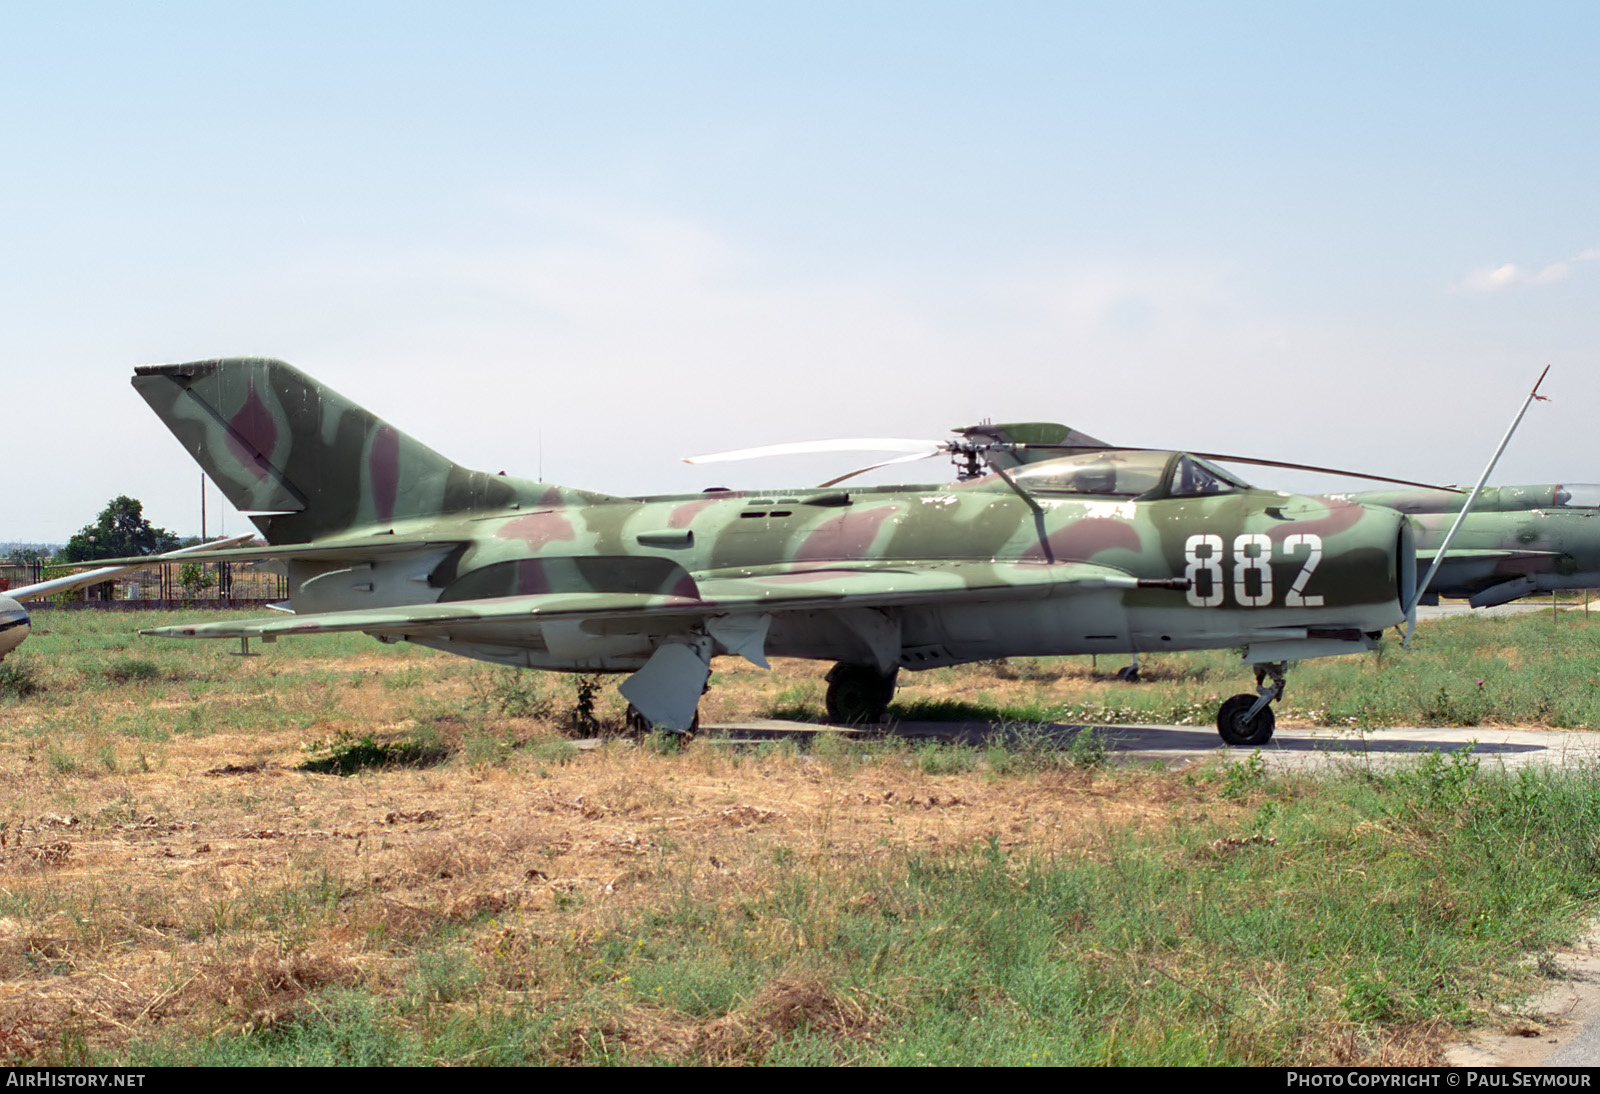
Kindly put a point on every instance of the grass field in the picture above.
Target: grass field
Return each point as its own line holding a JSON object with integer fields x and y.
{"x": 343, "y": 852}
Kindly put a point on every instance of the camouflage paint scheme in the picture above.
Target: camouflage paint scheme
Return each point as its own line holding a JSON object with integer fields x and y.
{"x": 383, "y": 535}
{"x": 1517, "y": 540}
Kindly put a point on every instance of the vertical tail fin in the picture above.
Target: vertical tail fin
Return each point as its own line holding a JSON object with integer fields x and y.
{"x": 309, "y": 461}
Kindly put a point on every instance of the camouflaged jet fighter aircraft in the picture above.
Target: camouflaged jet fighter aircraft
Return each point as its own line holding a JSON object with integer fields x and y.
{"x": 15, "y": 623}
{"x": 1516, "y": 541}
{"x": 1101, "y": 552}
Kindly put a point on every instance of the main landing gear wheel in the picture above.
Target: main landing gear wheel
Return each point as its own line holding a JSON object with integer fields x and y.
{"x": 859, "y": 694}
{"x": 1236, "y": 730}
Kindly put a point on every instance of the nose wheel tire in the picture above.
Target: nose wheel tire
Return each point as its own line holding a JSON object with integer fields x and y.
{"x": 1236, "y": 730}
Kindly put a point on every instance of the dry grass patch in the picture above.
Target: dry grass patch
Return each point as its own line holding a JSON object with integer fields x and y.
{"x": 172, "y": 874}
{"x": 793, "y": 1002}
{"x": 243, "y": 888}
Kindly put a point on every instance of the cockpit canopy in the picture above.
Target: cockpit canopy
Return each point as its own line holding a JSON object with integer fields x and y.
{"x": 1125, "y": 474}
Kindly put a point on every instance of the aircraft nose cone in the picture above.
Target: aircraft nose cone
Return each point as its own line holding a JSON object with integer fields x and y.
{"x": 14, "y": 625}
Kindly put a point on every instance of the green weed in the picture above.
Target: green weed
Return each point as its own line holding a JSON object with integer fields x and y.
{"x": 347, "y": 754}
{"x": 1241, "y": 778}
{"x": 520, "y": 694}
{"x": 131, "y": 670}
{"x": 1445, "y": 781}
{"x": 937, "y": 758}
{"x": 1088, "y": 749}
{"x": 663, "y": 742}
{"x": 445, "y": 976}
{"x": 1014, "y": 749}
{"x": 404, "y": 679}
{"x": 800, "y": 702}
{"x": 553, "y": 750}
{"x": 19, "y": 679}
{"x": 485, "y": 748}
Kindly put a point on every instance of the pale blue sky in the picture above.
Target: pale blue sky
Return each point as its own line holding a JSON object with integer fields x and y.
{"x": 609, "y": 235}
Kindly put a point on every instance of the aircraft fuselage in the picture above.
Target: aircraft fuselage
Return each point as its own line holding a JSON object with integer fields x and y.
{"x": 1262, "y": 567}
{"x": 14, "y": 625}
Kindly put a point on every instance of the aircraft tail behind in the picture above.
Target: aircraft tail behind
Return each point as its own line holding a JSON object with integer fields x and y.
{"x": 310, "y": 461}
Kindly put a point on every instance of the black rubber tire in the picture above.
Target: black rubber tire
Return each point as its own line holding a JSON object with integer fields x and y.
{"x": 1240, "y": 733}
{"x": 858, "y": 694}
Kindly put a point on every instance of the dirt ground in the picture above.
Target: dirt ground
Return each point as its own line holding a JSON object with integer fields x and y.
{"x": 208, "y": 882}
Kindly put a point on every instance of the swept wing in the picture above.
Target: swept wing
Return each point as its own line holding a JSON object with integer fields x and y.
{"x": 866, "y": 585}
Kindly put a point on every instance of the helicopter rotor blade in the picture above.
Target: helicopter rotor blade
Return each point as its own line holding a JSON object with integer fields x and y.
{"x": 920, "y": 449}
{"x": 1325, "y": 471}
{"x": 912, "y": 458}
{"x": 1223, "y": 457}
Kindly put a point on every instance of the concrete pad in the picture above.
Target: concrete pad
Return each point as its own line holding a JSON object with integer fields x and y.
{"x": 1290, "y": 748}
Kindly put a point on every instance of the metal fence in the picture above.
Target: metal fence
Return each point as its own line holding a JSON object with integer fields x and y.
{"x": 209, "y": 584}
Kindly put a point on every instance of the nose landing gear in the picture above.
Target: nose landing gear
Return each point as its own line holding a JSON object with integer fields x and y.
{"x": 1247, "y": 720}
